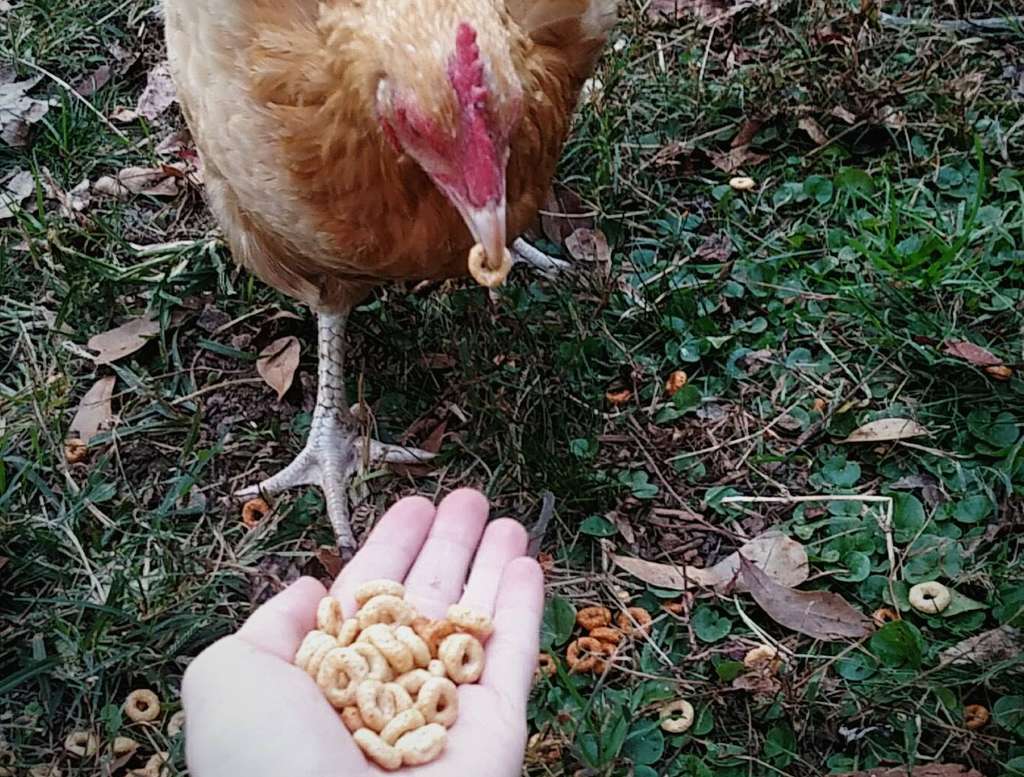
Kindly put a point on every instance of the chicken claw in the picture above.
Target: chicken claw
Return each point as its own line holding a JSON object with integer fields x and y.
{"x": 547, "y": 266}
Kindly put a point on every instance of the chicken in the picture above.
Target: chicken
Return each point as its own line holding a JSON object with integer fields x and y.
{"x": 349, "y": 143}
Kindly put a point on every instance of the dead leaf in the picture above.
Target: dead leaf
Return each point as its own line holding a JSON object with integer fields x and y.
{"x": 330, "y": 560}
{"x": 971, "y": 353}
{"x": 154, "y": 181}
{"x": 783, "y": 560}
{"x": 819, "y": 614}
{"x": 708, "y": 12}
{"x": 887, "y": 429}
{"x": 844, "y": 115}
{"x": 94, "y": 411}
{"x": 94, "y": 81}
{"x": 747, "y": 132}
{"x": 18, "y": 111}
{"x": 812, "y": 128}
{"x": 990, "y": 647}
{"x": 715, "y": 248}
{"x": 16, "y": 191}
{"x": 123, "y": 340}
{"x": 563, "y": 213}
{"x": 278, "y": 362}
{"x": 928, "y": 770}
{"x": 735, "y": 158}
{"x": 157, "y": 97}
{"x": 590, "y": 245}
{"x": 437, "y": 361}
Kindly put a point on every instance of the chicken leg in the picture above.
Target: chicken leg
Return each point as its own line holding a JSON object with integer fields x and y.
{"x": 335, "y": 447}
{"x": 547, "y": 266}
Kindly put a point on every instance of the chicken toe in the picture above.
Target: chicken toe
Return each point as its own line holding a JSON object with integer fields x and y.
{"x": 546, "y": 265}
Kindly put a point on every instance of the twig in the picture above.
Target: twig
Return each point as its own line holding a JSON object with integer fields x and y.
{"x": 995, "y": 24}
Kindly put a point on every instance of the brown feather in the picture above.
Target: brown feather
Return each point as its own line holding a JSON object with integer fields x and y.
{"x": 311, "y": 196}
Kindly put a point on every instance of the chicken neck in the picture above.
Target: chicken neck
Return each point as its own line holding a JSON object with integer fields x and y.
{"x": 336, "y": 447}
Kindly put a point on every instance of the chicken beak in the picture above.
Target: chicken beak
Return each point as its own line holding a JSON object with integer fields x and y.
{"x": 487, "y": 225}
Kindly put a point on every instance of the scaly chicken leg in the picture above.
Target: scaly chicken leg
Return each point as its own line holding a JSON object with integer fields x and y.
{"x": 334, "y": 447}
{"x": 540, "y": 261}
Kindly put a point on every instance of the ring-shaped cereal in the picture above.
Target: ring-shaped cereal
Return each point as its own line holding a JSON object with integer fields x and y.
{"x": 385, "y": 609}
{"x": 764, "y": 659}
{"x": 329, "y": 616}
{"x": 422, "y": 745}
{"x": 402, "y": 723}
{"x": 975, "y": 716}
{"x": 676, "y": 717}
{"x": 123, "y": 746}
{"x": 413, "y": 681}
{"x": 591, "y": 618}
{"x": 884, "y": 615}
{"x": 608, "y": 634}
{"x": 176, "y": 724}
{"x": 348, "y": 632}
{"x": 377, "y": 750}
{"x": 484, "y": 275}
{"x": 416, "y": 645}
{"x": 352, "y": 719}
{"x": 433, "y": 632}
{"x": 931, "y": 597}
{"x": 311, "y": 652}
{"x": 382, "y": 637}
{"x": 380, "y": 669}
{"x": 376, "y": 706}
{"x": 545, "y": 666}
{"x": 438, "y": 700}
{"x": 82, "y": 744}
{"x": 463, "y": 658}
{"x": 156, "y": 766}
{"x": 593, "y": 661}
{"x": 470, "y": 621}
{"x": 340, "y": 673}
{"x": 142, "y": 706}
{"x": 634, "y": 621}
{"x": 436, "y": 667}
{"x": 371, "y": 588}
{"x": 399, "y": 697}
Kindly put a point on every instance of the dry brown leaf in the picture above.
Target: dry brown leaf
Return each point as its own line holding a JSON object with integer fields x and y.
{"x": 18, "y": 111}
{"x": 716, "y": 247}
{"x": 782, "y": 559}
{"x": 927, "y": 770}
{"x": 812, "y": 128}
{"x": 590, "y": 245}
{"x": 157, "y": 97}
{"x": 123, "y": 340}
{"x": 971, "y": 353}
{"x": 989, "y": 647}
{"x": 708, "y": 12}
{"x": 278, "y": 362}
{"x": 94, "y": 411}
{"x": 154, "y": 181}
{"x": 819, "y": 614}
{"x": 887, "y": 429}
{"x": 563, "y": 213}
{"x": 94, "y": 81}
{"x": 844, "y": 115}
{"x": 735, "y": 158}
{"x": 16, "y": 191}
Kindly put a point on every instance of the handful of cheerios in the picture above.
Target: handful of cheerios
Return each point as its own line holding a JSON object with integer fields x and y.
{"x": 392, "y": 674}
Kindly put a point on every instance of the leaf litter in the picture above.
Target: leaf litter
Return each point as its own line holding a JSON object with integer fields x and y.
{"x": 19, "y": 111}
{"x": 887, "y": 429}
{"x": 123, "y": 340}
{"x": 94, "y": 412}
{"x": 157, "y": 97}
{"x": 277, "y": 363}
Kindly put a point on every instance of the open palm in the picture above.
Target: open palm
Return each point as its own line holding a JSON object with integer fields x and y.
{"x": 250, "y": 712}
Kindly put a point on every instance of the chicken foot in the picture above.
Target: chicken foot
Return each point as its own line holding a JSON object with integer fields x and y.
{"x": 547, "y": 266}
{"x": 335, "y": 448}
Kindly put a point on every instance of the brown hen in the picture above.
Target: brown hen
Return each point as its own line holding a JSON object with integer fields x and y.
{"x": 349, "y": 143}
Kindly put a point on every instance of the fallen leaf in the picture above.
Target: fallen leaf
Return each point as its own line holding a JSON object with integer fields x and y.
{"x": 94, "y": 411}
{"x": 15, "y": 192}
{"x": 715, "y": 248}
{"x": 819, "y": 614}
{"x": 735, "y": 158}
{"x": 18, "y": 111}
{"x": 971, "y": 353}
{"x": 154, "y": 181}
{"x": 563, "y": 213}
{"x": 708, "y": 12}
{"x": 157, "y": 97}
{"x": 990, "y": 647}
{"x": 330, "y": 560}
{"x": 94, "y": 81}
{"x": 887, "y": 429}
{"x": 277, "y": 363}
{"x": 783, "y": 560}
{"x": 844, "y": 115}
{"x": 928, "y": 770}
{"x": 812, "y": 128}
{"x": 590, "y": 245}
{"x": 747, "y": 132}
{"x": 123, "y": 340}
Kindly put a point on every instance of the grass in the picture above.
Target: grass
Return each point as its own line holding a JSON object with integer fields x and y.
{"x": 800, "y": 310}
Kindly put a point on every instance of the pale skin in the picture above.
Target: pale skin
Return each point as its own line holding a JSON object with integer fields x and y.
{"x": 251, "y": 712}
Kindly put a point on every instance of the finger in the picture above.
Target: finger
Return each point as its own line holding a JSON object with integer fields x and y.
{"x": 439, "y": 574}
{"x": 504, "y": 540}
{"x": 281, "y": 624}
{"x": 389, "y": 551}
{"x": 512, "y": 651}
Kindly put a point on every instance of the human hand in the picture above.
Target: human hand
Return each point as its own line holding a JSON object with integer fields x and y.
{"x": 251, "y": 713}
